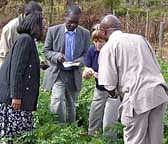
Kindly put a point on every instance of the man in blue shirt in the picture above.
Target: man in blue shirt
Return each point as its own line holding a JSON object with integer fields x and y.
{"x": 65, "y": 43}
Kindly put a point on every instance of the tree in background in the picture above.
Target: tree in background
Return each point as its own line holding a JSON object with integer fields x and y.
{"x": 147, "y": 3}
{"x": 150, "y": 3}
{"x": 26, "y": 1}
{"x": 68, "y": 3}
{"x": 3, "y": 3}
{"x": 112, "y": 4}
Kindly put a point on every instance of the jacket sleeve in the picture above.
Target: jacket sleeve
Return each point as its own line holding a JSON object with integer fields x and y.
{"x": 50, "y": 54}
{"x": 19, "y": 62}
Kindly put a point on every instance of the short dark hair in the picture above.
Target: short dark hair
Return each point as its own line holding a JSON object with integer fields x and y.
{"x": 32, "y": 7}
{"x": 74, "y": 9}
{"x": 28, "y": 23}
{"x": 110, "y": 22}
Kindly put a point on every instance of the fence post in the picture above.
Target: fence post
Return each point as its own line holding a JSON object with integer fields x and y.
{"x": 127, "y": 21}
{"x": 51, "y": 6}
{"x": 147, "y": 25}
{"x": 113, "y": 11}
{"x": 161, "y": 34}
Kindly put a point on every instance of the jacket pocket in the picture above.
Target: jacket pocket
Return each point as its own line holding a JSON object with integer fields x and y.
{"x": 4, "y": 93}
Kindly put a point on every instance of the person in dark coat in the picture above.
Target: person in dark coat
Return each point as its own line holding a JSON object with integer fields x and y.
{"x": 20, "y": 79}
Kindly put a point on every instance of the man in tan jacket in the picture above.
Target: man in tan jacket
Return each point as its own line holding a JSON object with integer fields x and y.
{"x": 127, "y": 63}
{"x": 9, "y": 31}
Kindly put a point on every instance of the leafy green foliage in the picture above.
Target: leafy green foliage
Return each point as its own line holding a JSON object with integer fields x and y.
{"x": 165, "y": 139}
{"x": 151, "y": 3}
{"x": 164, "y": 68}
{"x": 40, "y": 49}
{"x": 132, "y": 11}
{"x": 112, "y": 4}
{"x": 84, "y": 102}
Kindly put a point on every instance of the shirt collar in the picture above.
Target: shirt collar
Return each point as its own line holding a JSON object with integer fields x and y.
{"x": 66, "y": 30}
{"x": 115, "y": 34}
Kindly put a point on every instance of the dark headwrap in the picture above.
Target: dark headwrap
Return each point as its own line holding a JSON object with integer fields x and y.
{"x": 32, "y": 7}
{"x": 29, "y": 22}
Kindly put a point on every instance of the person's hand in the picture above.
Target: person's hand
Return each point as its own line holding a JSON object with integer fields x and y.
{"x": 95, "y": 75}
{"x": 76, "y": 61}
{"x": 16, "y": 104}
{"x": 44, "y": 65}
{"x": 87, "y": 73}
{"x": 61, "y": 58}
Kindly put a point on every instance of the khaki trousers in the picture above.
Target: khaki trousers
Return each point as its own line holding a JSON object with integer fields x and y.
{"x": 63, "y": 102}
{"x": 103, "y": 113}
{"x": 145, "y": 128}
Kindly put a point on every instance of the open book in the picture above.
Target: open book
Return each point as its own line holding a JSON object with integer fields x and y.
{"x": 70, "y": 64}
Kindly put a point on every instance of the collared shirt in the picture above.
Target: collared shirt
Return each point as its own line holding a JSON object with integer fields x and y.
{"x": 127, "y": 61}
{"x": 69, "y": 44}
{"x": 91, "y": 60}
{"x": 8, "y": 37}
